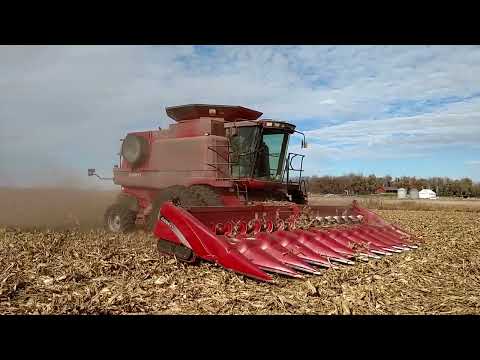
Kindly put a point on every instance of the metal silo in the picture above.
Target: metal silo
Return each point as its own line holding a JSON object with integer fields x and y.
{"x": 413, "y": 194}
{"x": 401, "y": 193}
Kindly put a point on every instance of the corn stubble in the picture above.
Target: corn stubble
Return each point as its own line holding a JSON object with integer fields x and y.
{"x": 93, "y": 272}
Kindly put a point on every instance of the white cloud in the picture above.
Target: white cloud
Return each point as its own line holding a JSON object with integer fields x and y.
{"x": 456, "y": 124}
{"x": 67, "y": 106}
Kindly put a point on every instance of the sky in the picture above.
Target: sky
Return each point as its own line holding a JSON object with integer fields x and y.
{"x": 397, "y": 110}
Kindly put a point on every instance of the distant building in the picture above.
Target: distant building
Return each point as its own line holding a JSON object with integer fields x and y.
{"x": 427, "y": 194}
{"x": 386, "y": 190}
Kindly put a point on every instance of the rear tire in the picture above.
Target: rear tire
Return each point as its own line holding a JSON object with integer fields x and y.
{"x": 119, "y": 219}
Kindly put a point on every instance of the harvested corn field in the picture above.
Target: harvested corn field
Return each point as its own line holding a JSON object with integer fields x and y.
{"x": 94, "y": 272}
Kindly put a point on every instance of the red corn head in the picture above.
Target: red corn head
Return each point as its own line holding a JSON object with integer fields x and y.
{"x": 256, "y": 240}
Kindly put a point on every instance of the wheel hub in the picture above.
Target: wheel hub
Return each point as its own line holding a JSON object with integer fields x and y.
{"x": 115, "y": 223}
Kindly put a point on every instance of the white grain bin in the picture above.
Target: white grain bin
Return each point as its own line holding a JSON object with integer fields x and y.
{"x": 427, "y": 194}
{"x": 413, "y": 193}
{"x": 401, "y": 193}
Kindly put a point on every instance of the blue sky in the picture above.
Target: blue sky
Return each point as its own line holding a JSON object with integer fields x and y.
{"x": 398, "y": 110}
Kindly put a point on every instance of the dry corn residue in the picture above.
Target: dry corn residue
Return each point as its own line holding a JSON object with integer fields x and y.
{"x": 93, "y": 272}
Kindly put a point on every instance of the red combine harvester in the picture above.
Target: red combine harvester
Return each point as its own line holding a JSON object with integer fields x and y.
{"x": 220, "y": 185}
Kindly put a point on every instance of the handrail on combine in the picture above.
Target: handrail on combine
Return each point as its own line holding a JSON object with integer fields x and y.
{"x": 228, "y": 162}
{"x": 289, "y": 167}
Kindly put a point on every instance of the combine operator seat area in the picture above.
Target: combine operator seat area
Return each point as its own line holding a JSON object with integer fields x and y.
{"x": 262, "y": 165}
{"x": 258, "y": 149}
{"x": 243, "y": 143}
{"x": 272, "y": 155}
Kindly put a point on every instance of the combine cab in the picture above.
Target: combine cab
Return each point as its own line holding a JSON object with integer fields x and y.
{"x": 219, "y": 184}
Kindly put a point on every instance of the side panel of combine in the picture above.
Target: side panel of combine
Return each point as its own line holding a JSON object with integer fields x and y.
{"x": 180, "y": 161}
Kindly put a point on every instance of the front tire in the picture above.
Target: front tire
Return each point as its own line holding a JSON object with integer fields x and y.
{"x": 119, "y": 219}
{"x": 299, "y": 197}
{"x": 178, "y": 194}
{"x": 206, "y": 195}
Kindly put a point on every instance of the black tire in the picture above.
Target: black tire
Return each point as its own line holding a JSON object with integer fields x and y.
{"x": 299, "y": 197}
{"x": 178, "y": 194}
{"x": 127, "y": 201}
{"x": 119, "y": 219}
{"x": 277, "y": 196}
{"x": 206, "y": 195}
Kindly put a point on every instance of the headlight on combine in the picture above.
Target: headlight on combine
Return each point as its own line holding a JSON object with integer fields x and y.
{"x": 134, "y": 149}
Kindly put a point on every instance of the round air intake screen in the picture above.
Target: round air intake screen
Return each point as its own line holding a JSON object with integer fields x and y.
{"x": 134, "y": 149}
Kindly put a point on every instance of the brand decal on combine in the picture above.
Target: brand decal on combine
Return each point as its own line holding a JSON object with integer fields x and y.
{"x": 134, "y": 174}
{"x": 175, "y": 231}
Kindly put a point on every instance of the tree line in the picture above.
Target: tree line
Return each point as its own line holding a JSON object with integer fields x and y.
{"x": 355, "y": 184}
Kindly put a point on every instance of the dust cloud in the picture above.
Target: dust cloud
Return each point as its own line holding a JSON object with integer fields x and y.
{"x": 53, "y": 196}
{"x": 54, "y": 208}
